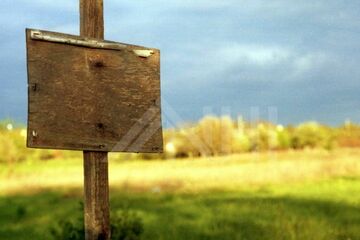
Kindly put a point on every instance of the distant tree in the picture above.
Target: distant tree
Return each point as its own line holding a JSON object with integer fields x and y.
{"x": 348, "y": 135}
{"x": 216, "y": 134}
{"x": 312, "y": 135}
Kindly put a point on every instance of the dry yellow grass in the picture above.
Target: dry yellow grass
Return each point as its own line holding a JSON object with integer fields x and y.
{"x": 227, "y": 172}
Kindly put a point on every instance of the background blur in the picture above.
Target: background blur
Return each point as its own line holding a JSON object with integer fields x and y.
{"x": 218, "y": 178}
{"x": 261, "y": 116}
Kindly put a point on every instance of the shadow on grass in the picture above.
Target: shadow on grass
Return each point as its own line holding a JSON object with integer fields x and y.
{"x": 215, "y": 215}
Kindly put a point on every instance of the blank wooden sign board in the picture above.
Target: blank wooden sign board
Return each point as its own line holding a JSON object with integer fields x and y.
{"x": 94, "y": 95}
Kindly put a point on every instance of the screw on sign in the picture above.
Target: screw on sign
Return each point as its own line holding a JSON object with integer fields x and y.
{"x": 96, "y": 96}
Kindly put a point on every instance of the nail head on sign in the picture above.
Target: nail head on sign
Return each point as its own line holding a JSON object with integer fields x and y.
{"x": 34, "y": 133}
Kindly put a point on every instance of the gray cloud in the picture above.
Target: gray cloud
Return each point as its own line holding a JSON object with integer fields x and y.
{"x": 299, "y": 56}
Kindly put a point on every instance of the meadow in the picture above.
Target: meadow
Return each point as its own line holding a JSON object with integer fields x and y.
{"x": 292, "y": 194}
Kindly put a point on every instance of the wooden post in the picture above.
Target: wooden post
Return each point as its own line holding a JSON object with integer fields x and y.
{"x": 96, "y": 183}
{"x": 96, "y": 197}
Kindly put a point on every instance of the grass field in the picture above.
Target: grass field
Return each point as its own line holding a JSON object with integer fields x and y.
{"x": 289, "y": 195}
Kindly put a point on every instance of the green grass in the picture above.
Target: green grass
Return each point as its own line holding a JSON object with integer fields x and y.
{"x": 308, "y": 206}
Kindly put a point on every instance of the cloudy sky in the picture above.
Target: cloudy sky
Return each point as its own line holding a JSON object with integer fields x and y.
{"x": 245, "y": 57}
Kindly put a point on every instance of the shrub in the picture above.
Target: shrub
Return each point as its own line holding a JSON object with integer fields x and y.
{"x": 348, "y": 135}
{"x": 8, "y": 151}
{"x": 72, "y": 229}
{"x": 125, "y": 225}
{"x": 240, "y": 143}
{"x": 283, "y": 138}
{"x": 312, "y": 135}
{"x": 263, "y": 137}
{"x": 216, "y": 134}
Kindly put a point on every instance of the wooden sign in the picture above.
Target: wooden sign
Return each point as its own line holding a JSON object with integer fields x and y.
{"x": 89, "y": 94}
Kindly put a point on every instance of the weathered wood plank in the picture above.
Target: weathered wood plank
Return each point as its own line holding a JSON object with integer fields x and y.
{"x": 77, "y": 41}
{"x": 82, "y": 98}
{"x": 92, "y": 18}
{"x": 96, "y": 195}
{"x": 96, "y": 182}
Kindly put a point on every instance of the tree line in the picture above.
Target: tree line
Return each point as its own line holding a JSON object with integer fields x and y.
{"x": 211, "y": 136}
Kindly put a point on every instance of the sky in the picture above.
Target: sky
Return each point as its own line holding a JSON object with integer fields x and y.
{"x": 280, "y": 60}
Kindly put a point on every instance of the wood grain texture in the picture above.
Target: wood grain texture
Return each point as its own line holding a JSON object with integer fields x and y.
{"x": 96, "y": 196}
{"x": 82, "y": 98}
{"x": 92, "y": 18}
{"x": 96, "y": 182}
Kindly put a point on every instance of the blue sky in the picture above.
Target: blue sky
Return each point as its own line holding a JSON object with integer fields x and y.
{"x": 300, "y": 57}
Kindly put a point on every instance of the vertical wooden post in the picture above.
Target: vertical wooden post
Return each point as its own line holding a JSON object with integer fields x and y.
{"x": 92, "y": 18}
{"x": 96, "y": 196}
{"x": 96, "y": 183}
